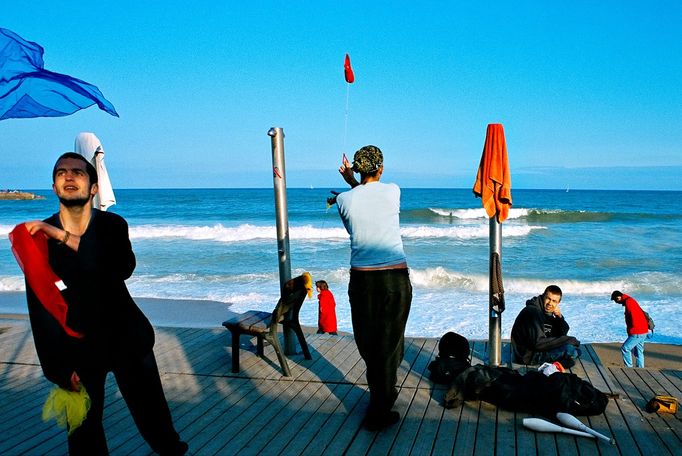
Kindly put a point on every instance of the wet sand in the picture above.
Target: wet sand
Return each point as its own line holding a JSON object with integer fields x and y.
{"x": 656, "y": 356}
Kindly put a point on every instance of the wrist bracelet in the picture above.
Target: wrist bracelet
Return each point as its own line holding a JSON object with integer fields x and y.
{"x": 66, "y": 237}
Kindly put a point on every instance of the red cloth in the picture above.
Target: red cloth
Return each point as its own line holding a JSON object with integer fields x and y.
{"x": 32, "y": 255}
{"x": 327, "y": 316}
{"x": 348, "y": 70}
{"x": 493, "y": 181}
{"x": 634, "y": 317}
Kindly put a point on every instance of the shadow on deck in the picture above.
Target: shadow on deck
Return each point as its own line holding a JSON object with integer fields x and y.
{"x": 320, "y": 408}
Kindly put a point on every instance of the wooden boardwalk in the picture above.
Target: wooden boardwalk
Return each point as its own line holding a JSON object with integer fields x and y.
{"x": 320, "y": 408}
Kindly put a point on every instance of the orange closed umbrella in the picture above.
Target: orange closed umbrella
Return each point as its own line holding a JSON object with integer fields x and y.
{"x": 493, "y": 186}
{"x": 493, "y": 181}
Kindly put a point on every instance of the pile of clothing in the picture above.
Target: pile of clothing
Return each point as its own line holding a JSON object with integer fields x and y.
{"x": 533, "y": 392}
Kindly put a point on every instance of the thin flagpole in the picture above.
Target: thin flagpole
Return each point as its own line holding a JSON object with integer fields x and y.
{"x": 345, "y": 126}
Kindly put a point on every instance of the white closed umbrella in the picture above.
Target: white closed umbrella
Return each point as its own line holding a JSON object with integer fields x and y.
{"x": 90, "y": 147}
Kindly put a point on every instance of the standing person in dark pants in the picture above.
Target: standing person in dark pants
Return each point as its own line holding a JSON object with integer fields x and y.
{"x": 379, "y": 291}
{"x": 100, "y": 329}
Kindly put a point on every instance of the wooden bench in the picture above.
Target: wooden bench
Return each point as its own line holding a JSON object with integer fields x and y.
{"x": 263, "y": 325}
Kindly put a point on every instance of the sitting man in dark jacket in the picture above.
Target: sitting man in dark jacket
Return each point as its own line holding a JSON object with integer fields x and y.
{"x": 539, "y": 333}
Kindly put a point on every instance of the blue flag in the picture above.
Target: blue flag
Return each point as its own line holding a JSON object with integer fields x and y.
{"x": 29, "y": 90}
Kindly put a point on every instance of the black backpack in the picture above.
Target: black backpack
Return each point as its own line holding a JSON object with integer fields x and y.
{"x": 452, "y": 359}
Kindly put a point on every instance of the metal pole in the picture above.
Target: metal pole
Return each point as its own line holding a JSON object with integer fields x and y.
{"x": 280, "y": 184}
{"x": 495, "y": 318}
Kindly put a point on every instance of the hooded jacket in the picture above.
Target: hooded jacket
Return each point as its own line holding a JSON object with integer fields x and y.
{"x": 634, "y": 317}
{"x": 536, "y": 331}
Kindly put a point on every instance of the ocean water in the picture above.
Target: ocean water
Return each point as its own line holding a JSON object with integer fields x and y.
{"x": 220, "y": 245}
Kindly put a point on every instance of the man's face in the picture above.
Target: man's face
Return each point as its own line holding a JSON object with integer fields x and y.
{"x": 551, "y": 302}
{"x": 72, "y": 183}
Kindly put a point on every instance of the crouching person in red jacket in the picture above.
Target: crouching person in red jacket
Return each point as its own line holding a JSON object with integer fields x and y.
{"x": 637, "y": 328}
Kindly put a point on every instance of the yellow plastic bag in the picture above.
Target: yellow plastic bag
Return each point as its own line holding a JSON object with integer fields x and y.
{"x": 68, "y": 408}
{"x": 662, "y": 404}
{"x": 308, "y": 281}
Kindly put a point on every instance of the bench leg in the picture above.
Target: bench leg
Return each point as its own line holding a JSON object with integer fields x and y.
{"x": 274, "y": 341}
{"x": 235, "y": 351}
{"x": 259, "y": 346}
{"x": 302, "y": 342}
{"x": 301, "y": 338}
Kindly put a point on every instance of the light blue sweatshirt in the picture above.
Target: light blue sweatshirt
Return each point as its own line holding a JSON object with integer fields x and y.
{"x": 370, "y": 213}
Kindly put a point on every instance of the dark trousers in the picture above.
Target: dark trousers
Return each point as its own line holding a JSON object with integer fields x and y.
{"x": 380, "y": 304}
{"x": 140, "y": 385}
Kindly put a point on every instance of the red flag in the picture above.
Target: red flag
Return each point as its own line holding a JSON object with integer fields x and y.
{"x": 348, "y": 71}
{"x": 31, "y": 254}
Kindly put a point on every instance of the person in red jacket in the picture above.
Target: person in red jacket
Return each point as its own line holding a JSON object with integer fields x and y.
{"x": 326, "y": 322}
{"x": 637, "y": 327}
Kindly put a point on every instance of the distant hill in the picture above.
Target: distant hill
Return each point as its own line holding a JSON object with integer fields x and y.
{"x": 18, "y": 195}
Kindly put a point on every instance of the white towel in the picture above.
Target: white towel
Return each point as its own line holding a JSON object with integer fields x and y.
{"x": 90, "y": 147}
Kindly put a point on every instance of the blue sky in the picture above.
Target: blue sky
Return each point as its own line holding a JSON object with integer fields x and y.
{"x": 589, "y": 93}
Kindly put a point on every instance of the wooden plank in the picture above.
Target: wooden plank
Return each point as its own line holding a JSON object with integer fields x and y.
{"x": 526, "y": 442}
{"x": 20, "y": 349}
{"x": 674, "y": 421}
{"x": 238, "y": 425}
{"x": 21, "y": 412}
{"x": 610, "y": 422}
{"x": 209, "y": 425}
{"x": 330, "y": 419}
{"x": 428, "y": 430}
{"x": 505, "y": 436}
{"x": 466, "y": 431}
{"x": 412, "y": 348}
{"x": 419, "y": 370}
{"x": 343, "y": 424}
{"x": 398, "y": 438}
{"x": 188, "y": 352}
{"x": 285, "y": 422}
{"x": 486, "y": 429}
{"x": 643, "y": 434}
{"x": 612, "y": 386}
{"x": 328, "y": 355}
{"x": 667, "y": 430}
{"x": 320, "y": 410}
{"x": 386, "y": 439}
{"x": 675, "y": 377}
{"x": 268, "y": 418}
{"x": 587, "y": 446}
{"x": 22, "y": 384}
{"x": 329, "y": 398}
{"x": 668, "y": 386}
{"x": 348, "y": 364}
{"x": 300, "y": 428}
{"x": 338, "y": 366}
{"x": 191, "y": 415}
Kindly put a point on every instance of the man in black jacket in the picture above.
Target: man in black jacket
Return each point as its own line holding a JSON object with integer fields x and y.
{"x": 540, "y": 332}
{"x": 90, "y": 252}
